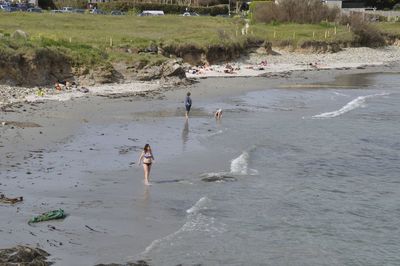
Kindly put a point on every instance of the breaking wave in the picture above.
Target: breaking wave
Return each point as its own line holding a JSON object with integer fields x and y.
{"x": 240, "y": 165}
{"x": 357, "y": 102}
{"x": 195, "y": 222}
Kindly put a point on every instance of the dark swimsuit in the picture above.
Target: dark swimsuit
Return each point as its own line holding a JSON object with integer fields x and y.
{"x": 147, "y": 156}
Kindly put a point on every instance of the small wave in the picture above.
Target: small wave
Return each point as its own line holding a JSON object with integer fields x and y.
{"x": 240, "y": 164}
{"x": 198, "y": 206}
{"x": 340, "y": 94}
{"x": 357, "y": 102}
{"x": 219, "y": 132}
{"x": 195, "y": 222}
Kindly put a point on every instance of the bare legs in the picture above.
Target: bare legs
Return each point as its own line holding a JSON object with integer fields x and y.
{"x": 146, "y": 169}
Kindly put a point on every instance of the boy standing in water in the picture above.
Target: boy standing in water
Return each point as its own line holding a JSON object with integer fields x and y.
{"x": 188, "y": 104}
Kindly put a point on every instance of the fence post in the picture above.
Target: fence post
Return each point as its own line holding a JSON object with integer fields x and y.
{"x": 313, "y": 34}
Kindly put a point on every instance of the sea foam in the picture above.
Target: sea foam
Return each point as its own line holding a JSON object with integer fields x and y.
{"x": 356, "y": 103}
{"x": 240, "y": 165}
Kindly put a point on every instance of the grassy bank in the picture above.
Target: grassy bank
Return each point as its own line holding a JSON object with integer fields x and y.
{"x": 92, "y": 39}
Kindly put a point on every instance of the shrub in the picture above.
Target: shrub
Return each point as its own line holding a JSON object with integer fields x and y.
{"x": 365, "y": 33}
{"x": 306, "y": 11}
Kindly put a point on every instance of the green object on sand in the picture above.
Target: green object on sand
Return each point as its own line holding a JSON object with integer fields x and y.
{"x": 51, "y": 215}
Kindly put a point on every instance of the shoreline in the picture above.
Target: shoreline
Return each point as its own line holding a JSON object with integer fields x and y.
{"x": 256, "y": 64}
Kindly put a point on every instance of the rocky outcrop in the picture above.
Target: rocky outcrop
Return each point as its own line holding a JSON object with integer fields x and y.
{"x": 23, "y": 256}
{"x": 41, "y": 67}
{"x": 171, "y": 69}
{"x": 320, "y": 47}
{"x": 98, "y": 75}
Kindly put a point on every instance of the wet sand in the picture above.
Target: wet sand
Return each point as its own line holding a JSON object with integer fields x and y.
{"x": 75, "y": 159}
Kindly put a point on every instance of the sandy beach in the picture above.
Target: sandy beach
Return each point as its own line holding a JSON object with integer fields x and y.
{"x": 78, "y": 151}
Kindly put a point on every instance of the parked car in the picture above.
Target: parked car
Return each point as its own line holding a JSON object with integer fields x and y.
{"x": 152, "y": 13}
{"x": 67, "y": 9}
{"x": 56, "y": 11}
{"x": 34, "y": 10}
{"x": 22, "y": 7}
{"x": 98, "y": 12}
{"x": 116, "y": 13}
{"x": 4, "y": 6}
{"x": 190, "y": 14}
{"x": 79, "y": 11}
{"x": 10, "y": 9}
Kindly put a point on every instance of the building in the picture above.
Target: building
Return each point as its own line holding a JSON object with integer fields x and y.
{"x": 353, "y": 4}
{"x": 333, "y": 3}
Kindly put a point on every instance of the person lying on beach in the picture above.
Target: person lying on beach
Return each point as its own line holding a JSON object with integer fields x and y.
{"x": 218, "y": 114}
{"x": 147, "y": 158}
{"x": 57, "y": 86}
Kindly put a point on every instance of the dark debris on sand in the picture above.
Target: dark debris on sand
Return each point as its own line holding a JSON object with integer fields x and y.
{"x": 23, "y": 256}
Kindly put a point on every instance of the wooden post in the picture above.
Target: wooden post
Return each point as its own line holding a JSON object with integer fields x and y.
{"x": 325, "y": 34}
{"x": 274, "y": 34}
{"x": 335, "y": 30}
{"x": 313, "y": 34}
{"x": 70, "y": 39}
{"x": 111, "y": 42}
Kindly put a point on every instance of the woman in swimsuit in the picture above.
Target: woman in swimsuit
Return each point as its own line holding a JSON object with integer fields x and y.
{"x": 146, "y": 157}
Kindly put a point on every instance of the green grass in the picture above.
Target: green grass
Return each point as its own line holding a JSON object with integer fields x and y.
{"x": 92, "y": 39}
{"x": 389, "y": 27}
{"x": 132, "y": 31}
{"x": 299, "y": 33}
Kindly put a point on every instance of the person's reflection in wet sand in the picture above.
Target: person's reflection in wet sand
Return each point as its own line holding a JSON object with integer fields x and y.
{"x": 185, "y": 133}
{"x": 146, "y": 196}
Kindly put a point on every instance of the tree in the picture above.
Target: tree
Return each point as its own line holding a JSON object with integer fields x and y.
{"x": 381, "y": 4}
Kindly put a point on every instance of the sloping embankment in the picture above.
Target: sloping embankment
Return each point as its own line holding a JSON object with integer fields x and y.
{"x": 45, "y": 66}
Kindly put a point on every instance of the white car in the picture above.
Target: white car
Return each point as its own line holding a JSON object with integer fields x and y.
{"x": 67, "y": 9}
{"x": 190, "y": 14}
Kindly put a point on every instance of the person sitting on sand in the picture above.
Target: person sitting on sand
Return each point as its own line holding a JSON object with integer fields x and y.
{"x": 147, "y": 158}
{"x": 40, "y": 92}
{"x": 57, "y": 86}
{"x": 228, "y": 69}
{"x": 218, "y": 114}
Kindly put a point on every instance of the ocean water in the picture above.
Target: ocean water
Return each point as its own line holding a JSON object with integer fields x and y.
{"x": 311, "y": 178}
{"x": 316, "y": 179}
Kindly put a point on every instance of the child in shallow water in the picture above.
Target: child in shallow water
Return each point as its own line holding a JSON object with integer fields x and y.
{"x": 218, "y": 114}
